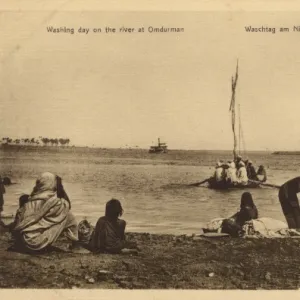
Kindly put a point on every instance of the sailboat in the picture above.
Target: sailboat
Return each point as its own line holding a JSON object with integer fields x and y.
{"x": 261, "y": 173}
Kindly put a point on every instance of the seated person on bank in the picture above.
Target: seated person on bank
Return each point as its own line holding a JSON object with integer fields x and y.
{"x": 109, "y": 233}
{"x": 44, "y": 216}
{"x": 22, "y": 200}
{"x": 247, "y": 212}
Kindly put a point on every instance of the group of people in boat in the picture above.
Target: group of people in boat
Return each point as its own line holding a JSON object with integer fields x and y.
{"x": 235, "y": 172}
{"x": 45, "y": 214}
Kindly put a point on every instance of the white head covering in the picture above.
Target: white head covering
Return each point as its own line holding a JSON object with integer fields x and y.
{"x": 45, "y": 187}
{"x": 232, "y": 165}
{"x": 241, "y": 164}
{"x": 218, "y": 164}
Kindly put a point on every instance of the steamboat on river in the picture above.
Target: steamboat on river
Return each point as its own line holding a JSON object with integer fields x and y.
{"x": 159, "y": 148}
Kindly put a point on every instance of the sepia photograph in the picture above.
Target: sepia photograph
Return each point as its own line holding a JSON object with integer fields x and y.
{"x": 149, "y": 149}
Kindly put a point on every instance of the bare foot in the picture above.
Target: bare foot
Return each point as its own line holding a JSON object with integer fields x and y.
{"x": 129, "y": 251}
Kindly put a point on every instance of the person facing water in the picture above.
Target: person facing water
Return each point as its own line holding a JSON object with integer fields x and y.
{"x": 219, "y": 172}
{"x": 109, "y": 233}
{"x": 237, "y": 160}
{"x": 45, "y": 215}
{"x": 22, "y": 200}
{"x": 231, "y": 173}
{"x": 242, "y": 177}
{"x": 247, "y": 212}
{"x": 251, "y": 172}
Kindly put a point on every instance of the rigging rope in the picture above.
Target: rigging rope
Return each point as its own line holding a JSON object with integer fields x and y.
{"x": 241, "y": 136}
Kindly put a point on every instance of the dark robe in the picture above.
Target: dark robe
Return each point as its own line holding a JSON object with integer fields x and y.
{"x": 234, "y": 225}
{"x": 289, "y": 202}
{"x": 108, "y": 236}
{"x": 251, "y": 172}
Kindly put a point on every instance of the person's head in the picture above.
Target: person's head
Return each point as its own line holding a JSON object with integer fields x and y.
{"x": 113, "y": 209}
{"x": 232, "y": 165}
{"x": 241, "y": 164}
{"x": 22, "y": 200}
{"x": 51, "y": 184}
{"x": 45, "y": 182}
{"x": 225, "y": 166}
{"x": 238, "y": 158}
{"x": 218, "y": 164}
{"x": 247, "y": 200}
{"x": 250, "y": 163}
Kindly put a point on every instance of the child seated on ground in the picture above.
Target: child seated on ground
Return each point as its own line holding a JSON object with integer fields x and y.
{"x": 22, "y": 200}
{"x": 109, "y": 233}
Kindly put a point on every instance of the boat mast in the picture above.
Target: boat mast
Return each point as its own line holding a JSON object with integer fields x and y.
{"x": 232, "y": 109}
{"x": 240, "y": 129}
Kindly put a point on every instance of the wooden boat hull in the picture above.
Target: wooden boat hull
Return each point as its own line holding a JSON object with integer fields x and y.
{"x": 212, "y": 184}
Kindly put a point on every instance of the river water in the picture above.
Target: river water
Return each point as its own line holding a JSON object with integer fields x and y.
{"x": 153, "y": 192}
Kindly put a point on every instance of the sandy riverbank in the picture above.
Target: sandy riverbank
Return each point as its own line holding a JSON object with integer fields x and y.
{"x": 164, "y": 262}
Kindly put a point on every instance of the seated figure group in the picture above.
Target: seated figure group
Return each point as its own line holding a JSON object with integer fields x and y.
{"x": 46, "y": 214}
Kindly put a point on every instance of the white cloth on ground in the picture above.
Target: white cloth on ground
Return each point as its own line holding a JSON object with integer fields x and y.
{"x": 214, "y": 225}
{"x": 258, "y": 228}
{"x": 268, "y": 228}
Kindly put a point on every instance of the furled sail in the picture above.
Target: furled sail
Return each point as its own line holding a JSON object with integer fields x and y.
{"x": 232, "y": 109}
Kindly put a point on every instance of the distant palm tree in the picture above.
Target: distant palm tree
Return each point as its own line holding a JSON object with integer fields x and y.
{"x": 36, "y": 141}
{"x": 62, "y": 141}
{"x": 45, "y": 141}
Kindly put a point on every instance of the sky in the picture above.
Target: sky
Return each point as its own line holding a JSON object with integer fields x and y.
{"x": 128, "y": 89}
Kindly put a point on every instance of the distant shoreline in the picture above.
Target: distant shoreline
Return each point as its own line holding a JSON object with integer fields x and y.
{"x": 88, "y": 148}
{"x": 286, "y": 153}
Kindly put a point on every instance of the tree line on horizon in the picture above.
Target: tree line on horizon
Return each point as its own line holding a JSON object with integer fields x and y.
{"x": 45, "y": 141}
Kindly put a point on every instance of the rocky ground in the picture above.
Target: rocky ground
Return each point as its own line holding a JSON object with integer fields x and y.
{"x": 163, "y": 262}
